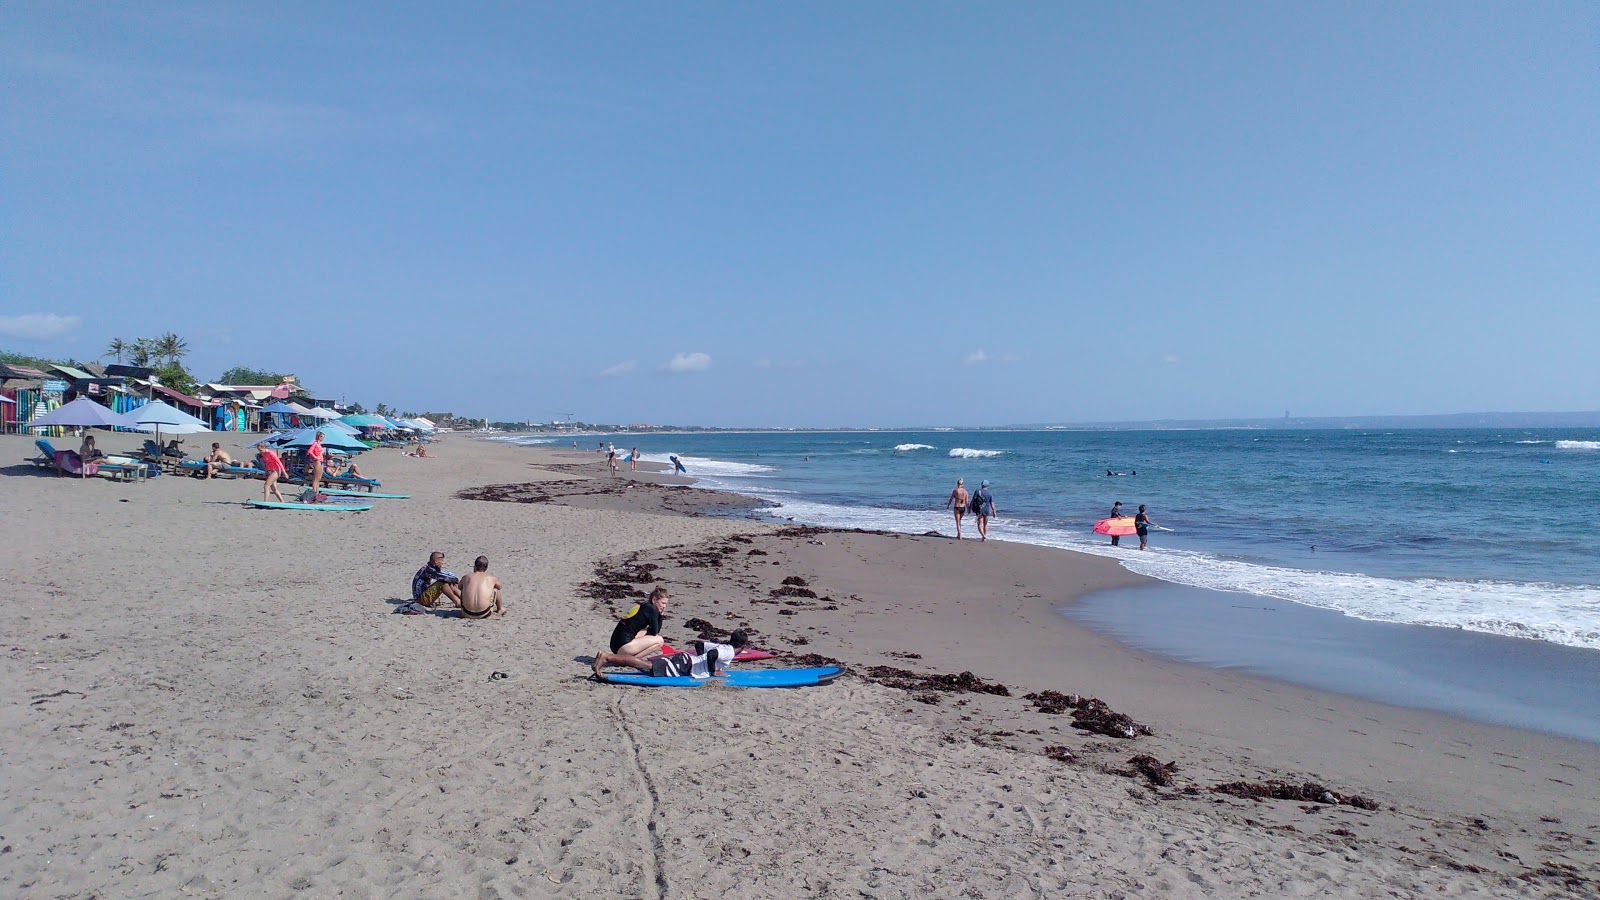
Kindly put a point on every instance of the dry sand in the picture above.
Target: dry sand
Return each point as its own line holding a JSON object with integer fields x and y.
{"x": 206, "y": 700}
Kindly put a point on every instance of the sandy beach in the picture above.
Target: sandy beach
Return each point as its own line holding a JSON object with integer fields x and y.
{"x": 203, "y": 699}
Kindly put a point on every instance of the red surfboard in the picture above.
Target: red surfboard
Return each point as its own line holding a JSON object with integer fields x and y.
{"x": 746, "y": 655}
{"x": 1121, "y": 526}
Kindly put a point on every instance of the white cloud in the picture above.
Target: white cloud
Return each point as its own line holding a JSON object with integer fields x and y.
{"x": 684, "y": 363}
{"x": 619, "y": 370}
{"x": 1170, "y": 359}
{"x": 975, "y": 357}
{"x": 38, "y": 326}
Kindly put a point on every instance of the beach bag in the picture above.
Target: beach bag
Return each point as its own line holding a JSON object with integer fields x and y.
{"x": 977, "y": 505}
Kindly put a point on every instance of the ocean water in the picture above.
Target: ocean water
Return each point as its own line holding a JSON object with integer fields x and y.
{"x": 1485, "y": 530}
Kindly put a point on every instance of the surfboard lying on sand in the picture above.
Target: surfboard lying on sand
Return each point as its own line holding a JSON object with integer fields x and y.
{"x": 746, "y": 655}
{"x": 365, "y": 495}
{"x": 764, "y": 678}
{"x": 319, "y": 507}
{"x": 1121, "y": 526}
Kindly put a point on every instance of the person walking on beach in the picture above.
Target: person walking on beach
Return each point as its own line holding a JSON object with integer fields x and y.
{"x": 633, "y": 460}
{"x": 1141, "y": 524}
{"x": 611, "y": 460}
{"x": 272, "y": 464}
{"x": 316, "y": 452}
{"x": 677, "y": 466}
{"x": 983, "y": 504}
{"x": 1116, "y": 513}
{"x": 958, "y": 499}
{"x": 480, "y": 592}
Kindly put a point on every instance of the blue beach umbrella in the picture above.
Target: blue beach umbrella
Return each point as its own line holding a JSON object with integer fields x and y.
{"x": 331, "y": 437}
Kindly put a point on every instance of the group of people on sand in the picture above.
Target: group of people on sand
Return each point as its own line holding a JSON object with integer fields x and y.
{"x": 980, "y": 503}
{"x": 475, "y": 595}
{"x": 636, "y": 642}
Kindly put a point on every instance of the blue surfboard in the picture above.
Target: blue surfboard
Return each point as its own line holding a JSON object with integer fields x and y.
{"x": 368, "y": 495}
{"x": 318, "y": 507}
{"x": 759, "y": 678}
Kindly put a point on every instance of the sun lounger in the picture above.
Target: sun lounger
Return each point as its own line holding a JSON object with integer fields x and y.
{"x": 47, "y": 454}
{"x": 347, "y": 481}
{"x": 69, "y": 462}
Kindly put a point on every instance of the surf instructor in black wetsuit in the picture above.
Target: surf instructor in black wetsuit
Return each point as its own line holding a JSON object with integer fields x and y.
{"x": 627, "y": 639}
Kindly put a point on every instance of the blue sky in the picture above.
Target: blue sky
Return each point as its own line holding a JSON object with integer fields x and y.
{"x": 819, "y": 214}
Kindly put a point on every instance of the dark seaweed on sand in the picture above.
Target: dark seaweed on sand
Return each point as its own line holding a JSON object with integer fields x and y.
{"x": 1154, "y": 770}
{"x": 919, "y": 683}
{"x": 1307, "y": 792}
{"x": 1088, "y": 713}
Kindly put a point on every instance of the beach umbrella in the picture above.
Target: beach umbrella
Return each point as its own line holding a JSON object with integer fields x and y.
{"x": 281, "y": 407}
{"x": 83, "y": 413}
{"x": 336, "y": 424}
{"x": 158, "y": 416}
{"x": 331, "y": 437}
{"x": 362, "y": 420}
{"x": 318, "y": 412}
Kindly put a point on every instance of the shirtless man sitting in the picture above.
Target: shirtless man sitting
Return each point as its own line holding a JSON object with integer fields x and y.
{"x": 217, "y": 459}
{"x": 480, "y": 592}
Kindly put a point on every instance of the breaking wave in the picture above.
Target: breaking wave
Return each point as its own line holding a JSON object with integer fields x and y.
{"x": 968, "y": 453}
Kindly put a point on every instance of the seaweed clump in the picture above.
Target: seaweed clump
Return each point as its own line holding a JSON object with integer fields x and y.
{"x": 1154, "y": 770}
{"x": 1088, "y": 713}
{"x": 1306, "y": 792}
{"x": 927, "y": 688}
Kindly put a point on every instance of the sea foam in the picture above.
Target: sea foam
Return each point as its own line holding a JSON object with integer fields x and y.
{"x": 1578, "y": 445}
{"x": 968, "y": 453}
{"x": 908, "y": 448}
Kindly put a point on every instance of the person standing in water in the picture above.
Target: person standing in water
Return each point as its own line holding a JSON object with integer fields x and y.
{"x": 1116, "y": 513}
{"x": 958, "y": 498}
{"x": 1141, "y": 524}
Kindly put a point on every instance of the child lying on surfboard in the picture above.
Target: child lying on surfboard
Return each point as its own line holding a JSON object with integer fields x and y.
{"x": 708, "y": 659}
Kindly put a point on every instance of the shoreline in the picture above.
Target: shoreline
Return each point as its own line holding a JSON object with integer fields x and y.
{"x": 219, "y": 700}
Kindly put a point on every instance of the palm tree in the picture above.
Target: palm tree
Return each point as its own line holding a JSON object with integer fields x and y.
{"x": 116, "y": 348}
{"x": 142, "y": 352}
{"x": 172, "y": 347}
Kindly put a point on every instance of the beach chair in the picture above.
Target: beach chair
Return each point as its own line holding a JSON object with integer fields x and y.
{"x": 355, "y": 483}
{"x": 47, "y": 454}
{"x": 70, "y": 463}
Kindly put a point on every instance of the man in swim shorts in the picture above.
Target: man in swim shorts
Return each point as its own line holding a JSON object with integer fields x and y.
{"x": 480, "y": 592}
{"x": 1116, "y": 513}
{"x": 433, "y": 581}
{"x": 216, "y": 460}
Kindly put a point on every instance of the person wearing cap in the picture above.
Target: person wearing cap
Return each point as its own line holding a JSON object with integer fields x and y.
{"x": 983, "y": 505}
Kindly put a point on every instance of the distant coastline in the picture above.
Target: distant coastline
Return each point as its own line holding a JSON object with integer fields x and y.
{"x": 1589, "y": 419}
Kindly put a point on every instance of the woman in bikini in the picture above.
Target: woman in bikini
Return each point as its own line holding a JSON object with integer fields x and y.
{"x": 959, "y": 498}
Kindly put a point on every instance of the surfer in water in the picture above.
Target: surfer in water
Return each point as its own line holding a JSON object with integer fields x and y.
{"x": 1116, "y": 513}
{"x": 1111, "y": 474}
{"x": 1142, "y": 525}
{"x": 958, "y": 498}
